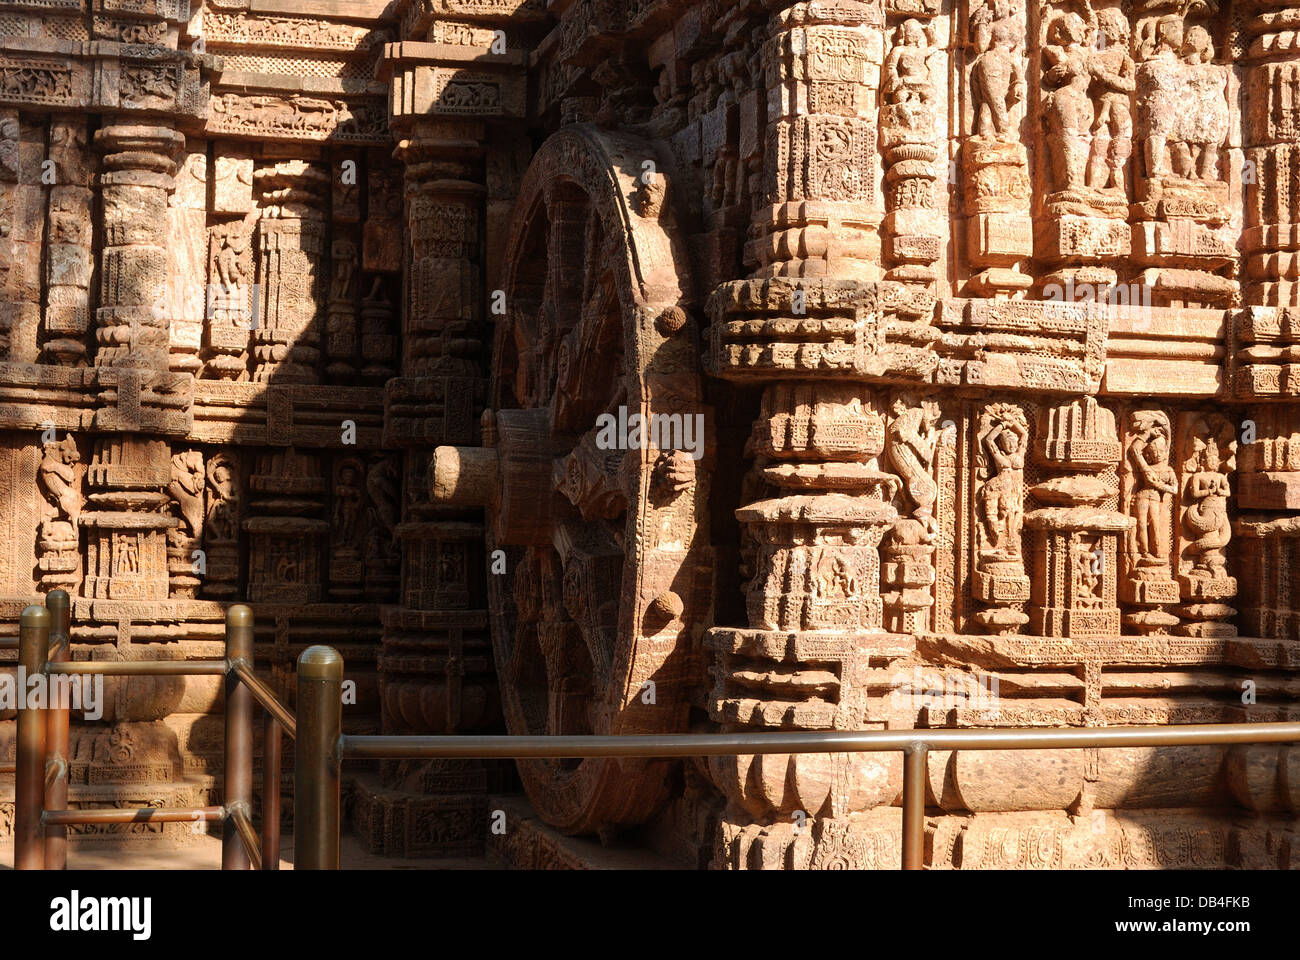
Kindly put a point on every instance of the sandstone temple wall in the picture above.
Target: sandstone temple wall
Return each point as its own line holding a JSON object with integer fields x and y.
{"x": 989, "y": 311}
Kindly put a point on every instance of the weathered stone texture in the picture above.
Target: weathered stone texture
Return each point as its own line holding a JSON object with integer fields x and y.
{"x": 666, "y": 366}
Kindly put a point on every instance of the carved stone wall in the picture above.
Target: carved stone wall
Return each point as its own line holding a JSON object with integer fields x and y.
{"x": 200, "y": 272}
{"x": 987, "y": 311}
{"x": 1011, "y": 375}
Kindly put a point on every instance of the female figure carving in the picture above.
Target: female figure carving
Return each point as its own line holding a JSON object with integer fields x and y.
{"x": 1068, "y": 109}
{"x": 1002, "y": 443}
{"x": 1156, "y": 483}
{"x": 910, "y": 445}
{"x": 1206, "y": 517}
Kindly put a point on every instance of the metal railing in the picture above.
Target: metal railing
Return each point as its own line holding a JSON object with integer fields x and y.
{"x": 276, "y": 721}
{"x": 322, "y": 748}
{"x": 41, "y": 790}
{"x": 41, "y": 814}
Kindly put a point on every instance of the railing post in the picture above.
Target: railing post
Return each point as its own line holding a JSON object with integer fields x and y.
{"x": 914, "y": 776}
{"x": 317, "y": 760}
{"x": 239, "y": 735}
{"x": 29, "y": 790}
{"x": 57, "y": 723}
{"x": 270, "y": 792}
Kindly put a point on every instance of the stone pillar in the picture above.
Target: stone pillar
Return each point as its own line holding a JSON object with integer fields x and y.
{"x": 131, "y": 324}
{"x": 820, "y": 207}
{"x": 1271, "y": 139}
{"x": 293, "y": 264}
{"x": 23, "y": 151}
{"x": 441, "y": 368}
{"x": 821, "y": 505}
{"x": 445, "y": 280}
{"x": 69, "y": 259}
{"x": 436, "y": 640}
{"x": 378, "y": 336}
{"x": 128, "y": 508}
{"x": 912, "y": 131}
{"x": 811, "y": 537}
{"x": 1266, "y": 332}
{"x": 448, "y": 78}
{"x": 1270, "y": 552}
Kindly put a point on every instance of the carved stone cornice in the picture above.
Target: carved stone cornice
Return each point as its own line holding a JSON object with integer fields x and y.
{"x": 445, "y": 80}
{"x": 417, "y": 16}
{"x": 1265, "y": 355}
{"x": 173, "y": 11}
{"x": 267, "y": 112}
{"x": 275, "y": 35}
{"x": 132, "y": 79}
{"x": 845, "y": 330}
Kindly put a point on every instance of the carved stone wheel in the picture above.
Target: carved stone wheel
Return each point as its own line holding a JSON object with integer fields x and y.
{"x": 607, "y": 581}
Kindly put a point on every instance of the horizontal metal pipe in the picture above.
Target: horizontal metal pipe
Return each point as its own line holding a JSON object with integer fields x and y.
{"x": 248, "y": 836}
{"x": 267, "y": 698}
{"x": 142, "y": 815}
{"x": 8, "y": 643}
{"x": 813, "y": 741}
{"x": 143, "y": 668}
{"x": 8, "y": 768}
